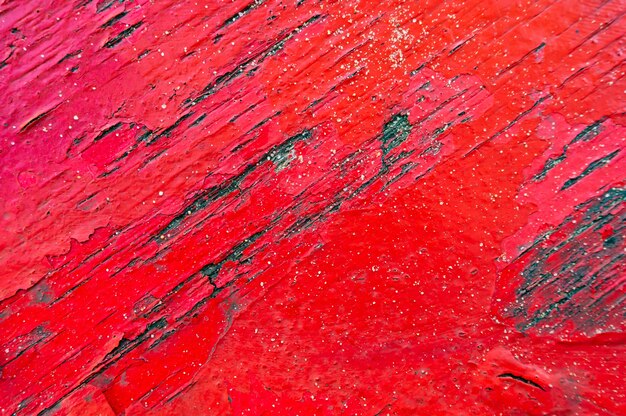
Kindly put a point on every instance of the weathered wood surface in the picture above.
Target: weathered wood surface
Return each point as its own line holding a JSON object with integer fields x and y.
{"x": 308, "y": 207}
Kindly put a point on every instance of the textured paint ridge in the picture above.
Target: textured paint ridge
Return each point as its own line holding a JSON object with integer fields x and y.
{"x": 305, "y": 207}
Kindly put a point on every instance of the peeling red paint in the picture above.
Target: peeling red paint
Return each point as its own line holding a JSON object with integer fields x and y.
{"x": 309, "y": 207}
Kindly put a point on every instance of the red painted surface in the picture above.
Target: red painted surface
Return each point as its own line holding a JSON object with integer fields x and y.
{"x": 310, "y": 207}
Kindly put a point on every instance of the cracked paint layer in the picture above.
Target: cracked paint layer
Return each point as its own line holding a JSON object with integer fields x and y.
{"x": 310, "y": 207}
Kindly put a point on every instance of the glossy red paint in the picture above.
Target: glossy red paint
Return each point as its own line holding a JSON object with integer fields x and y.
{"x": 307, "y": 207}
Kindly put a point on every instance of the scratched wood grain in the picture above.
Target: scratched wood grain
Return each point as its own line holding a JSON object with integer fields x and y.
{"x": 312, "y": 207}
